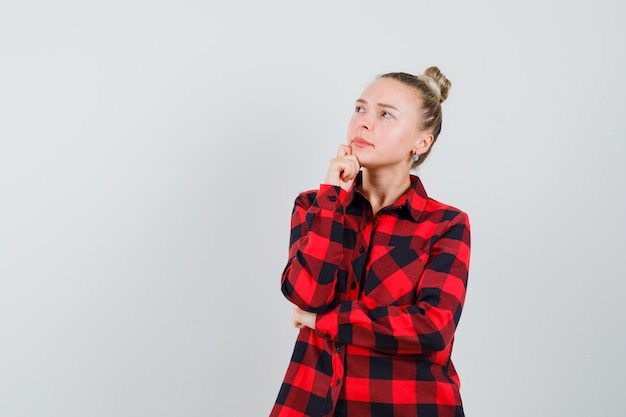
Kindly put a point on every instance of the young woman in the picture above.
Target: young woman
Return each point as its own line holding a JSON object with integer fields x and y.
{"x": 377, "y": 270}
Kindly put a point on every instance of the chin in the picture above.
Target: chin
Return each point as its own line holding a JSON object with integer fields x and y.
{"x": 359, "y": 153}
{"x": 361, "y": 158}
{"x": 364, "y": 164}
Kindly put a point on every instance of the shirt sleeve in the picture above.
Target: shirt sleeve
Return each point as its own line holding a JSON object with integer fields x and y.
{"x": 426, "y": 326}
{"x": 315, "y": 248}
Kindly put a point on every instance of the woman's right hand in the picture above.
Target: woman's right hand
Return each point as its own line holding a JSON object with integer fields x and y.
{"x": 343, "y": 168}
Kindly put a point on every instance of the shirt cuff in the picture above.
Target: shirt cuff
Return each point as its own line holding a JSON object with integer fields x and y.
{"x": 330, "y": 197}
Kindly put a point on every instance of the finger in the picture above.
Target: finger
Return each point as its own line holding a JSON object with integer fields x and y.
{"x": 348, "y": 176}
{"x": 347, "y": 173}
{"x": 295, "y": 318}
{"x": 344, "y": 150}
{"x": 351, "y": 169}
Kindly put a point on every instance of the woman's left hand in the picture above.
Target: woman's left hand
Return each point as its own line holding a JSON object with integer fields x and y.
{"x": 303, "y": 318}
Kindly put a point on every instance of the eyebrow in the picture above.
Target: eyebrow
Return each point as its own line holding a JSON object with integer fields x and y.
{"x": 379, "y": 104}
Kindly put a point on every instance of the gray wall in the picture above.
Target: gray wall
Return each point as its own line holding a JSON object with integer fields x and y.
{"x": 150, "y": 153}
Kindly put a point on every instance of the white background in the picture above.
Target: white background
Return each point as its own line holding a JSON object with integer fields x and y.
{"x": 150, "y": 152}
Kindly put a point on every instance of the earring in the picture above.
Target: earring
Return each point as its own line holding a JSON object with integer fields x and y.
{"x": 416, "y": 157}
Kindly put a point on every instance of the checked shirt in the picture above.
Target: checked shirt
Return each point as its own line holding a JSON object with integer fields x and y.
{"x": 388, "y": 290}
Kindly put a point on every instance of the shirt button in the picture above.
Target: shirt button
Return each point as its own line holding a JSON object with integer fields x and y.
{"x": 353, "y": 285}
{"x": 332, "y": 198}
{"x": 338, "y": 348}
{"x": 338, "y": 381}
{"x": 361, "y": 249}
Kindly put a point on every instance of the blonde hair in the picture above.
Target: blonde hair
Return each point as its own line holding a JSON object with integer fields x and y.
{"x": 433, "y": 87}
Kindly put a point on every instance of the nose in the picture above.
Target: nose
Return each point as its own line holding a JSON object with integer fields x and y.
{"x": 364, "y": 124}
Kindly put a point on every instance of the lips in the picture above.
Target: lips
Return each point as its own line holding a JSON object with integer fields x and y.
{"x": 359, "y": 142}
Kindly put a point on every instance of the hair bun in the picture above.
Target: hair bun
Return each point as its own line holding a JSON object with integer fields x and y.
{"x": 437, "y": 82}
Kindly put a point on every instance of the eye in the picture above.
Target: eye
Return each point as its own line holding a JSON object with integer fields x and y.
{"x": 359, "y": 109}
{"x": 385, "y": 115}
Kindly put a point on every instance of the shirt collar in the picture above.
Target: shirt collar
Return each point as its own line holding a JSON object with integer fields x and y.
{"x": 414, "y": 199}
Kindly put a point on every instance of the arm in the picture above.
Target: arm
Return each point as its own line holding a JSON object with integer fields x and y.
{"x": 316, "y": 243}
{"x": 426, "y": 326}
{"x": 315, "y": 249}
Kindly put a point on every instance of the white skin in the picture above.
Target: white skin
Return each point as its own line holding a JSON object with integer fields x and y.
{"x": 383, "y": 135}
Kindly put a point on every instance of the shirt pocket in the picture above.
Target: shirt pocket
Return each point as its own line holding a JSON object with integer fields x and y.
{"x": 392, "y": 275}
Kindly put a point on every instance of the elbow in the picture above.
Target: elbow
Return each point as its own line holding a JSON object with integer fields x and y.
{"x": 439, "y": 340}
{"x": 301, "y": 289}
{"x": 317, "y": 309}
{"x": 312, "y": 305}
{"x": 439, "y": 331}
{"x": 433, "y": 342}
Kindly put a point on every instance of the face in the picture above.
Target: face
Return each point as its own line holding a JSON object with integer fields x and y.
{"x": 384, "y": 129}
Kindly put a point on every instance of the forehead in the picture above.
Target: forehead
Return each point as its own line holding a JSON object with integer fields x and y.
{"x": 390, "y": 91}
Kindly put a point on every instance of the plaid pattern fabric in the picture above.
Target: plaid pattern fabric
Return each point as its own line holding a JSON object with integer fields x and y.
{"x": 388, "y": 290}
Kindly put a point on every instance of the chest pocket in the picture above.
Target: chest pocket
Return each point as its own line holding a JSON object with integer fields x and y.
{"x": 392, "y": 275}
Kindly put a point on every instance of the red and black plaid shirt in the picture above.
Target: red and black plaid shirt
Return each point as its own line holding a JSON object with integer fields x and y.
{"x": 388, "y": 290}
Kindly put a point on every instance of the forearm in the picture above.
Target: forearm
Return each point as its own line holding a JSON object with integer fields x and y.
{"x": 316, "y": 250}
{"x": 393, "y": 329}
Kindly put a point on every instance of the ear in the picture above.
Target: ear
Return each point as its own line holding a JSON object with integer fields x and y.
{"x": 423, "y": 142}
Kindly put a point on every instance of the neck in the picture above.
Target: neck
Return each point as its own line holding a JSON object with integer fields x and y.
{"x": 382, "y": 189}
